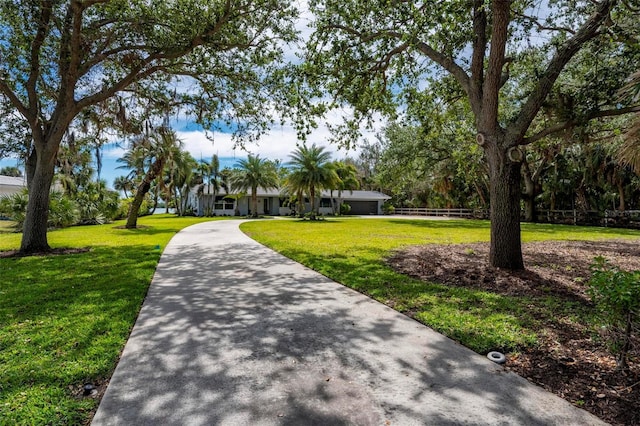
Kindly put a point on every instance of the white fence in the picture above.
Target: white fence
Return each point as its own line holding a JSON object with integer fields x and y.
{"x": 627, "y": 219}
{"x": 420, "y": 211}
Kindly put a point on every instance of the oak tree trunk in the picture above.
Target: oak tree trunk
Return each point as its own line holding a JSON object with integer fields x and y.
{"x": 505, "y": 247}
{"x": 40, "y": 172}
{"x": 34, "y": 237}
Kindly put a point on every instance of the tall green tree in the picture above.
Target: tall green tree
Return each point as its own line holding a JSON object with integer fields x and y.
{"x": 629, "y": 152}
{"x": 375, "y": 56}
{"x": 183, "y": 174}
{"x": 124, "y": 184}
{"x": 147, "y": 157}
{"x": 213, "y": 181}
{"x": 254, "y": 173}
{"x": 60, "y": 58}
{"x": 311, "y": 169}
{"x": 347, "y": 175}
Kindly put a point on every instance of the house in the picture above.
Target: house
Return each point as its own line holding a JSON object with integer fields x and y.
{"x": 274, "y": 203}
{"x": 10, "y": 185}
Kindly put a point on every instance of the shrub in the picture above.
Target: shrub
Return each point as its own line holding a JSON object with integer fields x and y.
{"x": 616, "y": 294}
{"x": 14, "y": 207}
{"x": 63, "y": 211}
{"x": 123, "y": 208}
{"x": 312, "y": 216}
{"x": 97, "y": 204}
{"x": 388, "y": 208}
{"x": 345, "y": 208}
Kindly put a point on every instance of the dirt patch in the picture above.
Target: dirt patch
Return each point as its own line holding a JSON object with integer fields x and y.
{"x": 52, "y": 252}
{"x": 568, "y": 361}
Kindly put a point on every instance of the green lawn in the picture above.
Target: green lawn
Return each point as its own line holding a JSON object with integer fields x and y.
{"x": 64, "y": 319}
{"x": 352, "y": 251}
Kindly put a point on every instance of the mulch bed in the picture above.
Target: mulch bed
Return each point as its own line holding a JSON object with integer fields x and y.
{"x": 567, "y": 361}
{"x": 52, "y": 252}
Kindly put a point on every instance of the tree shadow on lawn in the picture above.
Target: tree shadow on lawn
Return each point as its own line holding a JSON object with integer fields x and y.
{"x": 66, "y": 319}
{"x": 232, "y": 335}
{"x": 549, "y": 297}
{"x": 442, "y": 224}
{"x": 541, "y": 228}
{"x": 144, "y": 230}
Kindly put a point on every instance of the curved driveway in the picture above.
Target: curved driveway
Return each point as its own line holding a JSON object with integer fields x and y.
{"x": 232, "y": 333}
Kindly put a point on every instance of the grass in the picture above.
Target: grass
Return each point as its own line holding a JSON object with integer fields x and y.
{"x": 64, "y": 319}
{"x": 352, "y": 252}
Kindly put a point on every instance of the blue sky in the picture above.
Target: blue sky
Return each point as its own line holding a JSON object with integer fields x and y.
{"x": 277, "y": 144}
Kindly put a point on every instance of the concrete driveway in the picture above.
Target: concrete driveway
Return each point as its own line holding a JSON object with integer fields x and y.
{"x": 232, "y": 333}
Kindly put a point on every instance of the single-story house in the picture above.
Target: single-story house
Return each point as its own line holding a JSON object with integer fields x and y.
{"x": 10, "y": 185}
{"x": 274, "y": 203}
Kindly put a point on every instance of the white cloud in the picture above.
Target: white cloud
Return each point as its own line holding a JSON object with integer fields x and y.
{"x": 278, "y": 143}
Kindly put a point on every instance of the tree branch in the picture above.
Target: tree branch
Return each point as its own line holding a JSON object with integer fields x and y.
{"x": 564, "y": 54}
{"x": 448, "y": 64}
{"x": 34, "y": 72}
{"x": 15, "y": 101}
{"x": 479, "y": 48}
{"x": 558, "y": 127}
{"x": 491, "y": 86}
{"x": 566, "y": 124}
{"x": 542, "y": 27}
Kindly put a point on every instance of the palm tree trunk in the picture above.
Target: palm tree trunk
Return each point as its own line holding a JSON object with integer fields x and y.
{"x": 333, "y": 204}
{"x": 143, "y": 189}
{"x": 312, "y": 195}
{"x": 134, "y": 208}
{"x": 254, "y": 202}
{"x": 622, "y": 204}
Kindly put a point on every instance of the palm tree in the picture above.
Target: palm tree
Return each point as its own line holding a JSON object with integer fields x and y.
{"x": 213, "y": 180}
{"x": 124, "y": 184}
{"x": 311, "y": 171}
{"x": 295, "y": 188}
{"x": 629, "y": 152}
{"x": 147, "y": 157}
{"x": 252, "y": 173}
{"x": 347, "y": 179}
{"x": 184, "y": 175}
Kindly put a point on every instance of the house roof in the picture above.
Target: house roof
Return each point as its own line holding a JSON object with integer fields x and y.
{"x": 12, "y": 181}
{"x": 346, "y": 195}
{"x": 261, "y": 191}
{"x": 358, "y": 195}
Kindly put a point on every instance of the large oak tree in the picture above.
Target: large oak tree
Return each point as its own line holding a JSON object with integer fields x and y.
{"x": 62, "y": 57}
{"x": 374, "y": 56}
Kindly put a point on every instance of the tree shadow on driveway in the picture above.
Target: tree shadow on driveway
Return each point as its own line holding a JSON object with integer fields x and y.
{"x": 232, "y": 333}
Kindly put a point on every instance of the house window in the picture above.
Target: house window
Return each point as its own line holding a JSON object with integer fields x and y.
{"x": 325, "y": 202}
{"x": 223, "y": 203}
